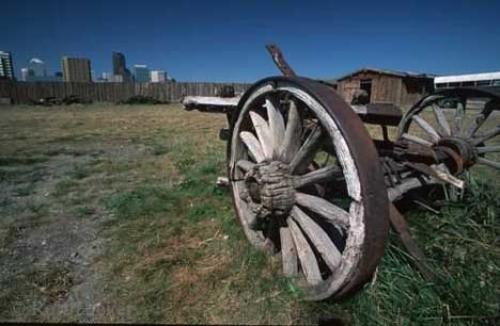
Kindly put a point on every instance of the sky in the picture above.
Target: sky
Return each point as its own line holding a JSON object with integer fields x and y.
{"x": 224, "y": 41}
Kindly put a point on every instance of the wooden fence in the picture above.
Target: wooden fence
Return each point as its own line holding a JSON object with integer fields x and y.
{"x": 27, "y": 92}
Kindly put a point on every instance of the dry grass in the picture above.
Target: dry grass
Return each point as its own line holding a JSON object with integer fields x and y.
{"x": 136, "y": 183}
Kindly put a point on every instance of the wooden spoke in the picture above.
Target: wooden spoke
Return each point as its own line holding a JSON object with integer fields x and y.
{"x": 441, "y": 119}
{"x": 291, "y": 141}
{"x": 305, "y": 154}
{"x": 245, "y": 165}
{"x": 479, "y": 119}
{"x": 263, "y": 134}
{"x": 324, "y": 245}
{"x": 276, "y": 124}
{"x": 327, "y": 210}
{"x": 308, "y": 262}
{"x": 417, "y": 140}
{"x": 319, "y": 175}
{"x": 427, "y": 128}
{"x": 488, "y": 149}
{"x": 253, "y": 145}
{"x": 458, "y": 119}
{"x": 490, "y": 163}
{"x": 288, "y": 253}
{"x": 486, "y": 136}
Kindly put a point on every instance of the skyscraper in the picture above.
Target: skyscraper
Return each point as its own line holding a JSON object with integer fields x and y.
{"x": 76, "y": 69}
{"x": 141, "y": 74}
{"x": 120, "y": 67}
{"x": 6, "y": 67}
{"x": 36, "y": 69}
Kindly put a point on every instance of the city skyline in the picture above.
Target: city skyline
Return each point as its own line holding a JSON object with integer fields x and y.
{"x": 224, "y": 41}
{"x": 37, "y": 70}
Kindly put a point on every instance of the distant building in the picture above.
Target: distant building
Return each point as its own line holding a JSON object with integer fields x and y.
{"x": 158, "y": 76}
{"x": 142, "y": 74}
{"x": 116, "y": 79}
{"x": 120, "y": 67}
{"x": 485, "y": 79}
{"x": 6, "y": 66}
{"x": 371, "y": 85}
{"x": 106, "y": 76}
{"x": 38, "y": 69}
{"x": 76, "y": 70}
{"x": 24, "y": 74}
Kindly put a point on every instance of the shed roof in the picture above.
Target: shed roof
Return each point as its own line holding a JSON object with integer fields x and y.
{"x": 388, "y": 72}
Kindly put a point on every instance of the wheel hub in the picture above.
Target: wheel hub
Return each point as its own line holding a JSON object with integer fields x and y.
{"x": 464, "y": 154}
{"x": 270, "y": 185}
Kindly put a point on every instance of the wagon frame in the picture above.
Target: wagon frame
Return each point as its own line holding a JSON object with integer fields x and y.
{"x": 309, "y": 183}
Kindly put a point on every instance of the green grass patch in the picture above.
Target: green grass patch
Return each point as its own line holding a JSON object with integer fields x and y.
{"x": 21, "y": 160}
{"x": 64, "y": 186}
{"x": 143, "y": 201}
{"x": 84, "y": 211}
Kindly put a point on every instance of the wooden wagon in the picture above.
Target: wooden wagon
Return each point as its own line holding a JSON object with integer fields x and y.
{"x": 310, "y": 184}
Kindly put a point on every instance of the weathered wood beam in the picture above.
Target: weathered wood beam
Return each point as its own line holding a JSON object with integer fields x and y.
{"x": 293, "y": 131}
{"x": 416, "y": 139}
{"x": 324, "y": 208}
{"x": 441, "y": 119}
{"x": 264, "y": 135}
{"x": 306, "y": 152}
{"x": 308, "y": 261}
{"x": 276, "y": 125}
{"x": 322, "y": 242}
{"x": 399, "y": 224}
{"x": 253, "y": 146}
{"x": 319, "y": 175}
{"x": 426, "y": 127}
{"x": 489, "y": 163}
{"x": 288, "y": 253}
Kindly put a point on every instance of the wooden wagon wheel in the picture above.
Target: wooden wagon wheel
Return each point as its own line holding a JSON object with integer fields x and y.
{"x": 467, "y": 135}
{"x": 306, "y": 183}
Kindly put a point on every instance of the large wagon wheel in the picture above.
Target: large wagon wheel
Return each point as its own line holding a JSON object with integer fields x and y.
{"x": 306, "y": 182}
{"x": 467, "y": 135}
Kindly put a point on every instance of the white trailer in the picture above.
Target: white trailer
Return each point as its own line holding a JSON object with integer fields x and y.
{"x": 487, "y": 79}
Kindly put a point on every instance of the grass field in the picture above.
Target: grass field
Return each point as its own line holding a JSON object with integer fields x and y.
{"x": 111, "y": 214}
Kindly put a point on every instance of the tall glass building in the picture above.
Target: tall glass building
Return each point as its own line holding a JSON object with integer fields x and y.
{"x": 142, "y": 74}
{"x": 37, "y": 69}
{"x": 6, "y": 67}
{"x": 120, "y": 67}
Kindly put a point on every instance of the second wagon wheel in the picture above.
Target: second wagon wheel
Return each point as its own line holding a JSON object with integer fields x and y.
{"x": 459, "y": 122}
{"x": 307, "y": 185}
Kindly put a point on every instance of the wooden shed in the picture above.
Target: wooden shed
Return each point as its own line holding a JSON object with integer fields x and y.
{"x": 370, "y": 85}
